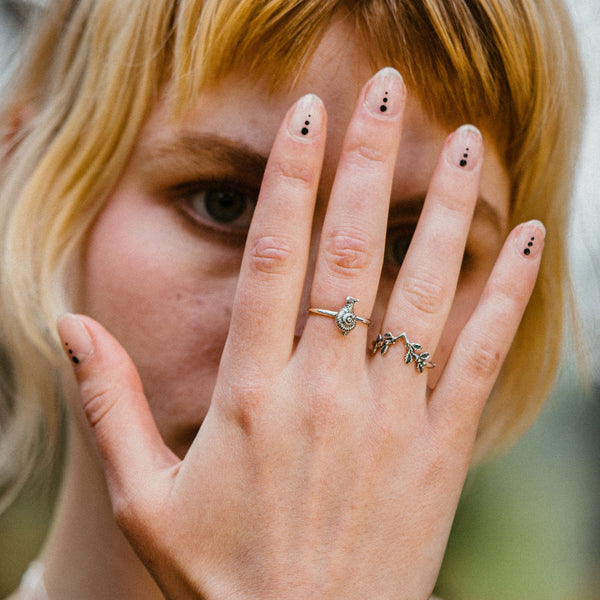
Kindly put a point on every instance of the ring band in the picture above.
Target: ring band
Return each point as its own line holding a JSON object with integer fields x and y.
{"x": 384, "y": 341}
{"x": 345, "y": 319}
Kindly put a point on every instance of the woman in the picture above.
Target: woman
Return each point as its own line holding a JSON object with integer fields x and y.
{"x": 230, "y": 188}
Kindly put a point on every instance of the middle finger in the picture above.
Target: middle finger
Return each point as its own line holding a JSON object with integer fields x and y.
{"x": 351, "y": 246}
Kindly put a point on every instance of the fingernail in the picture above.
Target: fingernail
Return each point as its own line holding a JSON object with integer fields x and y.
{"x": 76, "y": 339}
{"x": 464, "y": 150}
{"x": 385, "y": 93}
{"x": 306, "y": 120}
{"x": 529, "y": 241}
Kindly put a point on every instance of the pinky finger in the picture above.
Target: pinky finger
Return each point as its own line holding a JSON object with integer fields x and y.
{"x": 480, "y": 350}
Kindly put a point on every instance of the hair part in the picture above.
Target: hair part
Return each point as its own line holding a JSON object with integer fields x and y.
{"x": 95, "y": 69}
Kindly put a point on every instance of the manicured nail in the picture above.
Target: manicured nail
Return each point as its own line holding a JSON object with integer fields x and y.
{"x": 529, "y": 241}
{"x": 76, "y": 339}
{"x": 306, "y": 120}
{"x": 464, "y": 150}
{"x": 385, "y": 93}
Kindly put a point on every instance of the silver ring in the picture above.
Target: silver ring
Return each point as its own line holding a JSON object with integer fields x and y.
{"x": 345, "y": 319}
{"x": 384, "y": 341}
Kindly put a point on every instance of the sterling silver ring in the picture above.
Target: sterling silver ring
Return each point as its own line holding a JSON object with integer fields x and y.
{"x": 384, "y": 341}
{"x": 345, "y": 319}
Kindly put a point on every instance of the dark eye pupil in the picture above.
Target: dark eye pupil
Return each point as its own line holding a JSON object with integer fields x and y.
{"x": 400, "y": 248}
{"x": 225, "y": 206}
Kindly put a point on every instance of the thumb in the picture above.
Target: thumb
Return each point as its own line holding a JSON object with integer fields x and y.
{"x": 114, "y": 403}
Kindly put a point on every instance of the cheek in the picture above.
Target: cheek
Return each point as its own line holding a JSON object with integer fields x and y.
{"x": 155, "y": 287}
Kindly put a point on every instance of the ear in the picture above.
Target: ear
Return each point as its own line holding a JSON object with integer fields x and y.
{"x": 15, "y": 128}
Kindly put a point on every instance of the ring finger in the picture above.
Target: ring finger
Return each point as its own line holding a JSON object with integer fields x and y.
{"x": 426, "y": 285}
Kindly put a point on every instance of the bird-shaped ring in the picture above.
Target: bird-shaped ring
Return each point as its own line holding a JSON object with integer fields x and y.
{"x": 345, "y": 319}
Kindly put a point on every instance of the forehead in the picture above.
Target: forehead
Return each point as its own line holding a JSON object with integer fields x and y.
{"x": 248, "y": 112}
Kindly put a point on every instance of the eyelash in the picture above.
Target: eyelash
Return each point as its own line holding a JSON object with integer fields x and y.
{"x": 237, "y": 211}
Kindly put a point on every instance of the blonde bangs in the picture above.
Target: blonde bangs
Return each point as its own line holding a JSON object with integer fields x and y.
{"x": 509, "y": 66}
{"x": 467, "y": 62}
{"x": 96, "y": 69}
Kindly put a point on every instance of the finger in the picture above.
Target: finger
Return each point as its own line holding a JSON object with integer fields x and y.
{"x": 276, "y": 254}
{"x": 425, "y": 288}
{"x": 352, "y": 240}
{"x": 480, "y": 349}
{"x": 113, "y": 400}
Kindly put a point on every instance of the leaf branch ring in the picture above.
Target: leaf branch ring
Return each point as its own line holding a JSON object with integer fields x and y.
{"x": 384, "y": 341}
{"x": 345, "y": 319}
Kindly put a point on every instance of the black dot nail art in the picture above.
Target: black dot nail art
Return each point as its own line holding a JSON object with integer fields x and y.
{"x": 463, "y": 162}
{"x": 305, "y": 130}
{"x": 527, "y": 250}
{"x": 73, "y": 358}
{"x": 383, "y": 107}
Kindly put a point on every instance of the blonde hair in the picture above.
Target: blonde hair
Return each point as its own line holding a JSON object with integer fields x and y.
{"x": 95, "y": 69}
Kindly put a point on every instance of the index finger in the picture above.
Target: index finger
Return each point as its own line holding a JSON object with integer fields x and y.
{"x": 275, "y": 259}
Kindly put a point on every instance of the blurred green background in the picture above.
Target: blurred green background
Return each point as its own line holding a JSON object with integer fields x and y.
{"x": 528, "y": 527}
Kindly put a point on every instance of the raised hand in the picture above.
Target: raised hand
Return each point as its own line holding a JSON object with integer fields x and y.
{"x": 321, "y": 470}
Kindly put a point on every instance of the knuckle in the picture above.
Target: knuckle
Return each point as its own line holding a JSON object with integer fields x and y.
{"x": 323, "y": 402}
{"x": 454, "y": 204}
{"x": 97, "y": 403}
{"x": 484, "y": 359}
{"x": 247, "y": 399}
{"x": 348, "y": 251}
{"x": 136, "y": 518}
{"x": 424, "y": 293}
{"x": 271, "y": 255}
{"x": 434, "y": 467}
{"x": 359, "y": 154}
{"x": 440, "y": 462}
{"x": 508, "y": 297}
{"x": 325, "y": 413}
{"x": 124, "y": 512}
{"x": 384, "y": 423}
{"x": 296, "y": 172}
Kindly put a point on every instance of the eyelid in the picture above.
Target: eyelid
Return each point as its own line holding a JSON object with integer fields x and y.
{"x": 198, "y": 157}
{"x": 207, "y": 183}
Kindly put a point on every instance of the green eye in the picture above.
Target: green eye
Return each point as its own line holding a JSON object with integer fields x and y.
{"x": 225, "y": 206}
{"x": 221, "y": 207}
{"x": 397, "y": 246}
{"x": 398, "y": 242}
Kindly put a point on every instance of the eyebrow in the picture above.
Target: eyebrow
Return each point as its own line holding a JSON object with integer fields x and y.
{"x": 220, "y": 154}
{"x": 197, "y": 153}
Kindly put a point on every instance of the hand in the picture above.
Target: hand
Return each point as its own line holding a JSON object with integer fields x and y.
{"x": 320, "y": 471}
